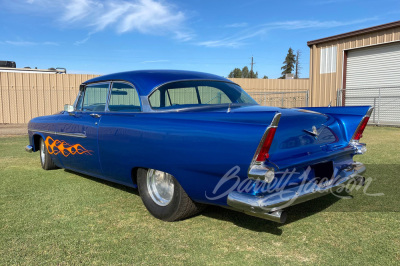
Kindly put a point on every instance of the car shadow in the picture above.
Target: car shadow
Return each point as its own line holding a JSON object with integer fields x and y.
{"x": 105, "y": 182}
{"x": 294, "y": 213}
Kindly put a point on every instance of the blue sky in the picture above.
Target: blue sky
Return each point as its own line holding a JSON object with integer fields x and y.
{"x": 94, "y": 36}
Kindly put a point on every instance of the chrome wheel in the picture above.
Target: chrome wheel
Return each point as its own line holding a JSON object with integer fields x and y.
{"x": 42, "y": 152}
{"x": 160, "y": 186}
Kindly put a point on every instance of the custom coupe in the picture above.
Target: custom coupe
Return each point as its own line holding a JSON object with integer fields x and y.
{"x": 187, "y": 139}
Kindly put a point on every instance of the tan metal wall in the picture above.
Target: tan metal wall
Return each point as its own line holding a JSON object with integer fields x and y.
{"x": 27, "y": 95}
{"x": 324, "y": 87}
{"x": 272, "y": 85}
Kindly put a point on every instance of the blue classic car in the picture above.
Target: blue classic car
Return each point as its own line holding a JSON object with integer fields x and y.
{"x": 188, "y": 139}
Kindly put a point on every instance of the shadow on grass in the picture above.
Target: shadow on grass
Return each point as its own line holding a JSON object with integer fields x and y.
{"x": 105, "y": 182}
{"x": 294, "y": 213}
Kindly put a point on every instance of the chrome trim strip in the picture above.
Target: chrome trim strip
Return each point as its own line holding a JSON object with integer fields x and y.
{"x": 77, "y": 135}
{"x": 264, "y": 205}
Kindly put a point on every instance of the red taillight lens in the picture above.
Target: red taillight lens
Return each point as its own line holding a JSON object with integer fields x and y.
{"x": 266, "y": 146}
{"x": 360, "y": 130}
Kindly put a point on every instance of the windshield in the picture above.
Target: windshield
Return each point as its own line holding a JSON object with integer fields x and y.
{"x": 183, "y": 94}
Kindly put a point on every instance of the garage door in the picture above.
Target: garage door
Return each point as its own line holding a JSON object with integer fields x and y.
{"x": 373, "y": 78}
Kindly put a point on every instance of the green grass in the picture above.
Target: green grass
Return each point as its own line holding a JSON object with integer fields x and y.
{"x": 59, "y": 217}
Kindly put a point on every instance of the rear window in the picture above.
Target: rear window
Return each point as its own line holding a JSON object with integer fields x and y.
{"x": 185, "y": 94}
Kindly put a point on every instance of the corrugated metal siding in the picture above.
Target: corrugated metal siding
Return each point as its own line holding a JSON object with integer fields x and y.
{"x": 374, "y": 67}
{"x": 373, "y": 78}
{"x": 270, "y": 85}
{"x": 324, "y": 87}
{"x": 27, "y": 95}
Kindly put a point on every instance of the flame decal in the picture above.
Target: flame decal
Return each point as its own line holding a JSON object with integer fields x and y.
{"x": 59, "y": 146}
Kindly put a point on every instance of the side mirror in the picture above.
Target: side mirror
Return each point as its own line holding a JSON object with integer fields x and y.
{"x": 68, "y": 108}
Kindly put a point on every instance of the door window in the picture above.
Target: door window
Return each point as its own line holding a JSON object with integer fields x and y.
{"x": 124, "y": 98}
{"x": 95, "y": 97}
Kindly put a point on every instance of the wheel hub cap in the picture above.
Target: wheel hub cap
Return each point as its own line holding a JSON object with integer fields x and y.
{"x": 160, "y": 186}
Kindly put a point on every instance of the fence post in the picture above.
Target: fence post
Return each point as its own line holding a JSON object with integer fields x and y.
{"x": 282, "y": 100}
{"x": 307, "y": 98}
{"x": 374, "y": 110}
{"x": 379, "y": 107}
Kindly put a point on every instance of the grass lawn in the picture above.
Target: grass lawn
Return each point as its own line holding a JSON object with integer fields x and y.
{"x": 58, "y": 217}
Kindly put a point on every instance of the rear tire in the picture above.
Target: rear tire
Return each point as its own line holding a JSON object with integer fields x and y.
{"x": 45, "y": 159}
{"x": 164, "y": 197}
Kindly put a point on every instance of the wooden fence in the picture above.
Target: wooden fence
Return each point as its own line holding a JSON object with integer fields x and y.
{"x": 27, "y": 95}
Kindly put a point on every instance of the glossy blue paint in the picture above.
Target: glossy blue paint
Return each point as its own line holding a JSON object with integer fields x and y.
{"x": 146, "y": 80}
{"x": 197, "y": 146}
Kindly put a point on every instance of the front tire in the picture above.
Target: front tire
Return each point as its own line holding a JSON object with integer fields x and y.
{"x": 45, "y": 159}
{"x": 164, "y": 197}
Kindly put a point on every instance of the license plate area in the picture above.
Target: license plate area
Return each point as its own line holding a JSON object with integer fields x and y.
{"x": 323, "y": 172}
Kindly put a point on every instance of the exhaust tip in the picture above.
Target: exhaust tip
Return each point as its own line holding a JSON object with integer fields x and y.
{"x": 283, "y": 217}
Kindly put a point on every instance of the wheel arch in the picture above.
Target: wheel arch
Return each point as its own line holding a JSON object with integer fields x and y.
{"x": 36, "y": 141}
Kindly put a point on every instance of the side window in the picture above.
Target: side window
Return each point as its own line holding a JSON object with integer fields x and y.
{"x": 211, "y": 95}
{"x": 181, "y": 96}
{"x": 95, "y": 97}
{"x": 124, "y": 98}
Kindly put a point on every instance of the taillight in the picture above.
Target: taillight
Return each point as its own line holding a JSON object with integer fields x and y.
{"x": 360, "y": 129}
{"x": 263, "y": 155}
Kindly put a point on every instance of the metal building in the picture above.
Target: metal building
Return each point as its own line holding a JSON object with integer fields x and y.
{"x": 358, "y": 68}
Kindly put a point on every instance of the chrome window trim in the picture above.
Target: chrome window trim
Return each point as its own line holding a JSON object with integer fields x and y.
{"x": 109, "y": 97}
{"x": 182, "y": 80}
{"x": 84, "y": 89}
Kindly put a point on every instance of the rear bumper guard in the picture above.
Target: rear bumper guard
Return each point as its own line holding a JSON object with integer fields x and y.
{"x": 271, "y": 206}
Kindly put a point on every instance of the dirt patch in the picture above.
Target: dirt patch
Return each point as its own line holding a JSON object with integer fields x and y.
{"x": 13, "y": 129}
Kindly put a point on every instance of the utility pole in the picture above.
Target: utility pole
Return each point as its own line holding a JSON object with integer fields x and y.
{"x": 252, "y": 63}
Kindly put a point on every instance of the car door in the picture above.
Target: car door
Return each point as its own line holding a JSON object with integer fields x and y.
{"x": 79, "y": 130}
{"x": 120, "y": 133}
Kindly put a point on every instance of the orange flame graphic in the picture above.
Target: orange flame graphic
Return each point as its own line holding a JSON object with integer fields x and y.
{"x": 59, "y": 146}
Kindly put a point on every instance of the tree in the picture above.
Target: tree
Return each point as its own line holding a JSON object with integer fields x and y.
{"x": 245, "y": 72}
{"x": 265, "y": 77}
{"x": 236, "y": 73}
{"x": 253, "y": 75}
{"x": 297, "y": 64}
{"x": 288, "y": 64}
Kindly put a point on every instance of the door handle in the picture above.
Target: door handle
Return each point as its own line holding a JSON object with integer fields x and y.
{"x": 95, "y": 115}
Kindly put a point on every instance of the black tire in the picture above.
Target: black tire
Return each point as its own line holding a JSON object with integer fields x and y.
{"x": 179, "y": 207}
{"x": 45, "y": 159}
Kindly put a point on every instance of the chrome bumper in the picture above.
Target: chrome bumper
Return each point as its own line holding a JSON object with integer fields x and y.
{"x": 271, "y": 206}
{"x": 29, "y": 148}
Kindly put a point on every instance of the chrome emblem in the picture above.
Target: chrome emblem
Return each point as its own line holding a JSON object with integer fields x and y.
{"x": 314, "y": 132}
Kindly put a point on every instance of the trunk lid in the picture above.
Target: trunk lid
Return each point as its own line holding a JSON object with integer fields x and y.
{"x": 301, "y": 135}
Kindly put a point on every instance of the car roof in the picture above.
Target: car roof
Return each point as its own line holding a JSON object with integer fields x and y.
{"x": 146, "y": 80}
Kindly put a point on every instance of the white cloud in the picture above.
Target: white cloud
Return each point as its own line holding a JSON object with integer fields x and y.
{"x": 236, "y": 25}
{"x": 144, "y": 16}
{"x": 27, "y": 43}
{"x": 238, "y": 39}
{"x": 156, "y": 17}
